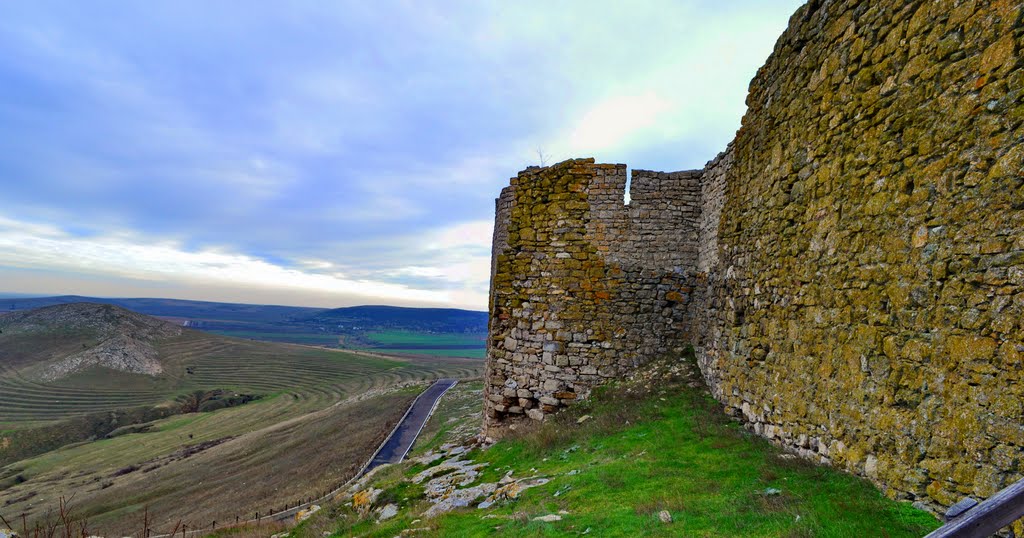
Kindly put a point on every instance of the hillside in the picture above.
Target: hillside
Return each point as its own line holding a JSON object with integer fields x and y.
{"x": 424, "y": 331}
{"x": 289, "y": 421}
{"x": 653, "y": 455}
{"x": 176, "y": 308}
{"x": 444, "y": 320}
{"x": 54, "y": 342}
{"x": 69, "y": 360}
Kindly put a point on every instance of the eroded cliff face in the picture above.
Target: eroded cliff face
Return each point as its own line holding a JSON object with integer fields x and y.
{"x": 850, "y": 270}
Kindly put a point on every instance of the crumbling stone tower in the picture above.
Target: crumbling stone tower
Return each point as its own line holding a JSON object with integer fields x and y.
{"x": 585, "y": 287}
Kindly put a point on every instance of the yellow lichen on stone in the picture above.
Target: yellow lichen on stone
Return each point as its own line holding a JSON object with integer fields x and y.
{"x": 361, "y": 499}
{"x": 850, "y": 270}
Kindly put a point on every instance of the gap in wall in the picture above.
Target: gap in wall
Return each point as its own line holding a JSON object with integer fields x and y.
{"x": 629, "y": 184}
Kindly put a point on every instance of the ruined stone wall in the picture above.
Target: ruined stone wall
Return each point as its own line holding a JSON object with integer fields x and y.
{"x": 850, "y": 269}
{"x": 867, "y": 304}
{"x": 712, "y": 193}
{"x": 585, "y": 287}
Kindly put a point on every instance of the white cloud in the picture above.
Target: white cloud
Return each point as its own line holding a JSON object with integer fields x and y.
{"x": 359, "y": 142}
{"x": 29, "y": 246}
{"x": 616, "y": 120}
{"x": 475, "y": 233}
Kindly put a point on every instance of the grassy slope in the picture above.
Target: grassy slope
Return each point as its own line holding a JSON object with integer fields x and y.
{"x": 217, "y": 362}
{"x": 256, "y": 472}
{"x": 652, "y": 447}
{"x": 297, "y": 381}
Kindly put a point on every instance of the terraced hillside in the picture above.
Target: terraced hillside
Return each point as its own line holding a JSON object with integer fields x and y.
{"x": 189, "y": 360}
{"x": 321, "y": 413}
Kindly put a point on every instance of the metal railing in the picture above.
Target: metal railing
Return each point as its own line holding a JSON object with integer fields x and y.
{"x": 971, "y": 519}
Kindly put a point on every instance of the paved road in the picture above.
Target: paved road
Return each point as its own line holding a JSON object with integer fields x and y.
{"x": 401, "y": 440}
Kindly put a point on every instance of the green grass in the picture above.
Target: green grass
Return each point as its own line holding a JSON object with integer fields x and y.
{"x": 415, "y": 338}
{"x": 427, "y": 344}
{"x": 670, "y": 448}
{"x": 466, "y": 353}
{"x": 181, "y": 422}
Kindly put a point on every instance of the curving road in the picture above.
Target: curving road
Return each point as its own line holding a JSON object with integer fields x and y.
{"x": 398, "y": 444}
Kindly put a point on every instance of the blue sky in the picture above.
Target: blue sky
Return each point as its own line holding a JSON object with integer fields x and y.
{"x": 333, "y": 153}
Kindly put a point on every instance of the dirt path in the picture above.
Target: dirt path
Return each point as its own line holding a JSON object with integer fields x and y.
{"x": 398, "y": 444}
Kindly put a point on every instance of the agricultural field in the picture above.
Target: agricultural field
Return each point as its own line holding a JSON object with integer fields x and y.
{"x": 319, "y": 414}
{"x": 312, "y": 339}
{"x": 429, "y": 344}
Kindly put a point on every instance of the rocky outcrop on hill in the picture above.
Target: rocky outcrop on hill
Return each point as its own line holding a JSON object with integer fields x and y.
{"x": 110, "y": 336}
{"x": 122, "y": 353}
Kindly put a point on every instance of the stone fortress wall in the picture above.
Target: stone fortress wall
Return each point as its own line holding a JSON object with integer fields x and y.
{"x": 850, "y": 270}
{"x": 583, "y": 286}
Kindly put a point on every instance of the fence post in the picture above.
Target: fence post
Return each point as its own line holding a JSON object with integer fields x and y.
{"x": 974, "y": 520}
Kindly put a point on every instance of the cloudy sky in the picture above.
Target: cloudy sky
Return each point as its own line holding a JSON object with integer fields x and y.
{"x": 333, "y": 153}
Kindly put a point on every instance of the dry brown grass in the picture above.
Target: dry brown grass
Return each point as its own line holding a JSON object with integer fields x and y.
{"x": 262, "y": 471}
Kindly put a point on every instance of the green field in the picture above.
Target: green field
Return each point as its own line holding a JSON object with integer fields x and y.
{"x": 313, "y": 339}
{"x": 427, "y": 344}
{"x": 432, "y": 339}
{"x": 466, "y": 353}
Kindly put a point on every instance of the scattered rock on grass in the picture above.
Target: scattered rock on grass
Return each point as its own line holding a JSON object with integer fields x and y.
{"x": 458, "y": 499}
{"x": 548, "y": 518}
{"x": 463, "y": 468}
{"x": 512, "y": 490}
{"x": 387, "y": 512}
{"x": 303, "y": 515}
{"x": 665, "y": 516}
